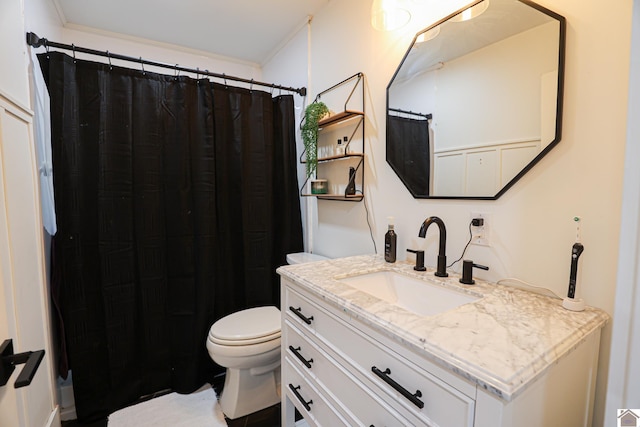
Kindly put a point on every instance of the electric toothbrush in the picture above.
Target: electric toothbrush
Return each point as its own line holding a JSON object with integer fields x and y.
{"x": 576, "y": 251}
{"x": 570, "y": 302}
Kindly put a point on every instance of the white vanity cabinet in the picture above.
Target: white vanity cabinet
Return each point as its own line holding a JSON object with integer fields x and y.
{"x": 338, "y": 370}
{"x": 325, "y": 351}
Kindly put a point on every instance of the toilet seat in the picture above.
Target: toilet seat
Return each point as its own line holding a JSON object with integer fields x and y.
{"x": 252, "y": 341}
{"x": 246, "y": 327}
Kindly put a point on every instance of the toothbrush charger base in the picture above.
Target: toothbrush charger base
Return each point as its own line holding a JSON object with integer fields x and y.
{"x": 572, "y": 304}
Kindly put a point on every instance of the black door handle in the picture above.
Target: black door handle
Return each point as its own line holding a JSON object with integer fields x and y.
{"x": 8, "y": 362}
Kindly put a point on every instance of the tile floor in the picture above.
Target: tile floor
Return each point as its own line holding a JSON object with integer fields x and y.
{"x": 269, "y": 417}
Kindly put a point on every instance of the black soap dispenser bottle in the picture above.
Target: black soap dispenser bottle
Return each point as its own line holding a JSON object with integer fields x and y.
{"x": 390, "y": 243}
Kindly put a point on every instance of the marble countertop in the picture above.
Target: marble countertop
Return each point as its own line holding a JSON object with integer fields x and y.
{"x": 503, "y": 341}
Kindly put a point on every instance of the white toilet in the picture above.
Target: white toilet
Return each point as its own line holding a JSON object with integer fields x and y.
{"x": 247, "y": 343}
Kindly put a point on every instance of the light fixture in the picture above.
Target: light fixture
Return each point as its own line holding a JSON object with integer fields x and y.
{"x": 387, "y": 15}
{"x": 428, "y": 35}
{"x": 471, "y": 12}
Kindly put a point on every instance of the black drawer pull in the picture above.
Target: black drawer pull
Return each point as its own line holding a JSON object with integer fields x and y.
{"x": 296, "y": 351}
{"x": 300, "y": 398}
{"x": 413, "y": 398}
{"x": 298, "y": 312}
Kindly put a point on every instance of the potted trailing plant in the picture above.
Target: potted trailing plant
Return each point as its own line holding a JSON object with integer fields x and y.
{"x": 312, "y": 115}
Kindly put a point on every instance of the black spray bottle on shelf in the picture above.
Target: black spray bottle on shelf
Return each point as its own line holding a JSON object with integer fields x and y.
{"x": 390, "y": 243}
{"x": 351, "y": 185}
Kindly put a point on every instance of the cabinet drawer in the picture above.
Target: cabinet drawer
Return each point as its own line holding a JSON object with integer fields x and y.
{"x": 315, "y": 409}
{"x": 408, "y": 387}
{"x": 337, "y": 382}
{"x": 431, "y": 399}
{"x": 303, "y": 312}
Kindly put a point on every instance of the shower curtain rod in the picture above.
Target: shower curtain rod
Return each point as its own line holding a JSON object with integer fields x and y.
{"x": 397, "y": 110}
{"x": 35, "y": 41}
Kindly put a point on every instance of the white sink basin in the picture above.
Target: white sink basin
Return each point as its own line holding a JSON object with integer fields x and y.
{"x": 417, "y": 296}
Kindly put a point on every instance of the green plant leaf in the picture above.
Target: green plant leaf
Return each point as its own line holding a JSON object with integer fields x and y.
{"x": 312, "y": 115}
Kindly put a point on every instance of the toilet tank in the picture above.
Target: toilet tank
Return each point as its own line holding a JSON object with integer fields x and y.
{"x": 302, "y": 257}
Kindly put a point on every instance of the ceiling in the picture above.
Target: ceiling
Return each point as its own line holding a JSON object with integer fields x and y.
{"x": 246, "y": 30}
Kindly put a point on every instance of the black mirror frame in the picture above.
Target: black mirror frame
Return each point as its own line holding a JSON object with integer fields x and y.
{"x": 559, "y": 102}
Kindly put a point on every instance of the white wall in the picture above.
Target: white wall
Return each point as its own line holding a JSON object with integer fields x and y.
{"x": 13, "y": 79}
{"x": 41, "y": 17}
{"x": 532, "y": 224}
{"x": 289, "y": 66}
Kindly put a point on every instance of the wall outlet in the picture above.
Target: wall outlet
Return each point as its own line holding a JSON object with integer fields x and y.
{"x": 480, "y": 235}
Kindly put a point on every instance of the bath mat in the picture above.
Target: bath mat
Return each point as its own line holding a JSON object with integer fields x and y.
{"x": 200, "y": 408}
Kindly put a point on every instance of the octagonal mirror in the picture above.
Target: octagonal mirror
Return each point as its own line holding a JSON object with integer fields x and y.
{"x": 477, "y": 100}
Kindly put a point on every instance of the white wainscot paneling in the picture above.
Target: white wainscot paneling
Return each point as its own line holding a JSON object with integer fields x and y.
{"x": 481, "y": 170}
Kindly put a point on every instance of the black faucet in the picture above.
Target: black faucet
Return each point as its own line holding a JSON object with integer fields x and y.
{"x": 441, "y": 271}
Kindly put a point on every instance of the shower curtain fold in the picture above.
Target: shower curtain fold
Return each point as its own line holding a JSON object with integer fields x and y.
{"x": 177, "y": 199}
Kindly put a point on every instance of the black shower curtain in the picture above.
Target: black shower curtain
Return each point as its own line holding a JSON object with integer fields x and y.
{"x": 176, "y": 200}
{"x": 408, "y": 152}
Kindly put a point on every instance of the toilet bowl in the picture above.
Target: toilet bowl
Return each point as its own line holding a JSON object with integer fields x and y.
{"x": 247, "y": 344}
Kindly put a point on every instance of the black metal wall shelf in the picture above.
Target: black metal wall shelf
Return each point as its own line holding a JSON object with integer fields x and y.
{"x": 346, "y": 117}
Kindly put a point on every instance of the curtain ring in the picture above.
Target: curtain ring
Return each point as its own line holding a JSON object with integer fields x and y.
{"x": 73, "y": 46}
{"x": 224, "y": 78}
{"x": 197, "y": 75}
{"x": 144, "y": 73}
{"x": 46, "y": 46}
{"x": 251, "y": 86}
{"x": 273, "y": 86}
{"x": 109, "y": 56}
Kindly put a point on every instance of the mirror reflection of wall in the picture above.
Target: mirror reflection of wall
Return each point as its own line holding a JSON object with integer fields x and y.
{"x": 490, "y": 86}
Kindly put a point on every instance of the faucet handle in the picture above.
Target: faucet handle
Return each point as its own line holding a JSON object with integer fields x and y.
{"x": 419, "y": 259}
{"x": 467, "y": 267}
